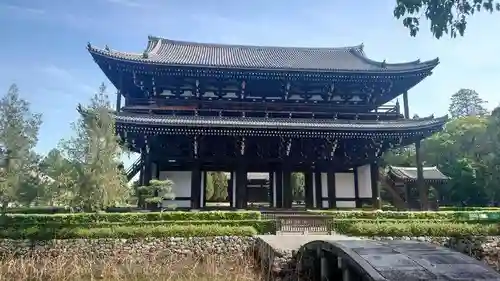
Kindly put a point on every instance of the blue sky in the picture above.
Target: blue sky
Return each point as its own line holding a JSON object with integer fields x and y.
{"x": 43, "y": 44}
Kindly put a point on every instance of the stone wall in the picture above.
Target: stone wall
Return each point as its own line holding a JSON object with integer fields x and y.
{"x": 224, "y": 246}
{"x": 482, "y": 248}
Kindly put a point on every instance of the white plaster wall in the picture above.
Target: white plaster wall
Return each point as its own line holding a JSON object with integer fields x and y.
{"x": 346, "y": 204}
{"x": 344, "y": 185}
{"x": 364, "y": 182}
{"x": 181, "y": 187}
{"x": 324, "y": 189}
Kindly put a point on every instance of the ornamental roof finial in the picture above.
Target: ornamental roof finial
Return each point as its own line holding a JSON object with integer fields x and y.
{"x": 383, "y": 64}
{"x": 145, "y": 55}
{"x": 89, "y": 46}
{"x": 106, "y": 48}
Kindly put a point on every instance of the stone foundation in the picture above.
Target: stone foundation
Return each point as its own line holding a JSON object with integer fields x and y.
{"x": 172, "y": 247}
{"x": 486, "y": 249}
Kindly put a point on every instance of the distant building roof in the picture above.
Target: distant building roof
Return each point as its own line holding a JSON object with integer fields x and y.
{"x": 410, "y": 173}
{"x": 161, "y": 51}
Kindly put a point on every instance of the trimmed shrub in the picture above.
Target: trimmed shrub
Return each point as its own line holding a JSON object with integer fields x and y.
{"x": 261, "y": 226}
{"x": 416, "y": 228}
{"x": 39, "y": 210}
{"x": 91, "y": 218}
{"x": 441, "y": 215}
{"x": 454, "y": 208}
{"x": 123, "y": 232}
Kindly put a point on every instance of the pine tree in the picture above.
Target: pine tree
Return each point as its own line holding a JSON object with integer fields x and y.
{"x": 466, "y": 102}
{"x": 18, "y": 136}
{"x": 98, "y": 182}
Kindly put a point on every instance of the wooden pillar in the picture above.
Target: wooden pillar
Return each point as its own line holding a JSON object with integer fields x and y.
{"x": 374, "y": 175}
{"x": 318, "y": 193}
{"x": 279, "y": 188}
{"x": 332, "y": 192}
{"x": 421, "y": 187}
{"x": 308, "y": 189}
{"x": 196, "y": 183}
{"x": 272, "y": 195}
{"x": 241, "y": 185}
{"x": 406, "y": 108}
{"x": 158, "y": 170}
{"x": 231, "y": 190}
{"x": 287, "y": 188}
{"x": 356, "y": 188}
{"x": 148, "y": 172}
{"x": 118, "y": 101}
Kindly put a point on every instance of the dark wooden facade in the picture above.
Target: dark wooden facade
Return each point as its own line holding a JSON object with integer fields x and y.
{"x": 210, "y": 107}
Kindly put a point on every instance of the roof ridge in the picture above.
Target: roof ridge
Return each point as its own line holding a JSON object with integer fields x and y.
{"x": 192, "y": 43}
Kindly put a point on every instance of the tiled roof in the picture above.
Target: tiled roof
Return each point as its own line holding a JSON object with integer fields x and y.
{"x": 180, "y": 53}
{"x": 278, "y": 123}
{"x": 410, "y": 173}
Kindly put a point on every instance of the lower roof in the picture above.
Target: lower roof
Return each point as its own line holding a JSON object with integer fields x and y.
{"x": 278, "y": 123}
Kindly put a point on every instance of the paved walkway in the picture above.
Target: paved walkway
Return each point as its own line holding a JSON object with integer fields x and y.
{"x": 293, "y": 241}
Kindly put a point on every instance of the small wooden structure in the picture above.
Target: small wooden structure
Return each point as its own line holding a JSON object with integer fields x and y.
{"x": 402, "y": 182}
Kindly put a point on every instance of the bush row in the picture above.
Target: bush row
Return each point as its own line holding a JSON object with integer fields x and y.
{"x": 347, "y": 227}
{"x": 90, "y": 218}
{"x": 412, "y": 229}
{"x": 441, "y": 215}
{"x": 40, "y": 233}
{"x": 261, "y": 226}
{"x": 64, "y": 210}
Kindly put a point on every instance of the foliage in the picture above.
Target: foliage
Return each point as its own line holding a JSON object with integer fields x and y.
{"x": 466, "y": 102}
{"x": 406, "y": 215}
{"x": 415, "y": 228}
{"x": 18, "y": 136}
{"x": 96, "y": 179}
{"x": 298, "y": 186}
{"x": 44, "y": 233}
{"x": 209, "y": 187}
{"x": 220, "y": 183}
{"x": 466, "y": 151}
{"x": 156, "y": 191}
{"x": 90, "y": 218}
{"x": 445, "y": 16}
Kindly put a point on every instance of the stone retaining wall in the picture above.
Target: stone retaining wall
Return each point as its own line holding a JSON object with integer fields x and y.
{"x": 224, "y": 246}
{"x": 482, "y": 248}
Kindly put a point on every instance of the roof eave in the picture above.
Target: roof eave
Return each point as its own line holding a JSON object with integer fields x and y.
{"x": 439, "y": 122}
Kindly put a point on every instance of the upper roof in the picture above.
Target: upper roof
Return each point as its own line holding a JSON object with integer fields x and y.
{"x": 161, "y": 51}
{"x": 410, "y": 173}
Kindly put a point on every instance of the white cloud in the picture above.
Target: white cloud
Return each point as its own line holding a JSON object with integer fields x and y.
{"x": 63, "y": 79}
{"x": 127, "y": 3}
{"x": 21, "y": 9}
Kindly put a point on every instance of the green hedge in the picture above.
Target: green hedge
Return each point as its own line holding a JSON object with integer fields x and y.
{"x": 414, "y": 228}
{"x": 453, "y": 208}
{"x": 37, "y": 233}
{"x": 441, "y": 215}
{"x": 261, "y": 226}
{"x": 91, "y": 218}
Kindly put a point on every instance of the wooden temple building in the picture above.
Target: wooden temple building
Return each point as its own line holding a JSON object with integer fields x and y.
{"x": 195, "y": 107}
{"x": 401, "y": 184}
